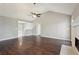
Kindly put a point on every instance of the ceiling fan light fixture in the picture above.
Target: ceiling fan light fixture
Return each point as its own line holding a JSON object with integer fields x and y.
{"x": 34, "y": 16}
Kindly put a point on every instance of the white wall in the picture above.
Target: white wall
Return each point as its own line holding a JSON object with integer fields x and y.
{"x": 8, "y": 28}
{"x": 75, "y": 13}
{"x": 55, "y": 25}
{"x": 1, "y": 28}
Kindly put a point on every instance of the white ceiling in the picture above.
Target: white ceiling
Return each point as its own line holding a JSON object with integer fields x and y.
{"x": 22, "y": 11}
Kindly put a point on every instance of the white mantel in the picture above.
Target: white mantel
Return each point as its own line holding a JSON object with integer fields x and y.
{"x": 75, "y": 32}
{"x": 77, "y": 37}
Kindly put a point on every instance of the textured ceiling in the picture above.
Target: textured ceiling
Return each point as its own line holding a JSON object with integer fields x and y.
{"x": 22, "y": 11}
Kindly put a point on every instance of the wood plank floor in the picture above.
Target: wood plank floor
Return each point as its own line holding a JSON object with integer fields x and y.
{"x": 32, "y": 45}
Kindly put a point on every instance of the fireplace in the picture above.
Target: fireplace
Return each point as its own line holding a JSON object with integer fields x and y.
{"x": 77, "y": 43}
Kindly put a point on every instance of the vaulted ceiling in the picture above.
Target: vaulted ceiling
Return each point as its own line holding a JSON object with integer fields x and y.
{"x": 22, "y": 10}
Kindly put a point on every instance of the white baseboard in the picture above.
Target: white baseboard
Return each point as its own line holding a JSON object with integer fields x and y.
{"x": 34, "y": 35}
{"x": 7, "y": 38}
{"x": 55, "y": 38}
{"x": 11, "y": 38}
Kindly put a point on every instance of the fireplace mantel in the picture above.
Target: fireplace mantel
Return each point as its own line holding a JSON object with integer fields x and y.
{"x": 77, "y": 37}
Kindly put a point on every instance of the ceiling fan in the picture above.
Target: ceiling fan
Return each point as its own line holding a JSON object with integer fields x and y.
{"x": 34, "y": 14}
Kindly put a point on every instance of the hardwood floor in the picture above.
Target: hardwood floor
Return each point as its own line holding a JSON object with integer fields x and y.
{"x": 32, "y": 45}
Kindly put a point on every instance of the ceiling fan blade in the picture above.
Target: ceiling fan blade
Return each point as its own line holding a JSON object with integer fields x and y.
{"x": 39, "y": 14}
{"x": 36, "y": 14}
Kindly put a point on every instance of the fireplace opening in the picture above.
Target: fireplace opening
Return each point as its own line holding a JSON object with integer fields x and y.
{"x": 77, "y": 43}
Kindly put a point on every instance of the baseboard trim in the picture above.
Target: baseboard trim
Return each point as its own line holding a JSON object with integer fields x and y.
{"x": 33, "y": 35}
{"x": 55, "y": 38}
{"x": 12, "y": 38}
{"x": 8, "y": 38}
